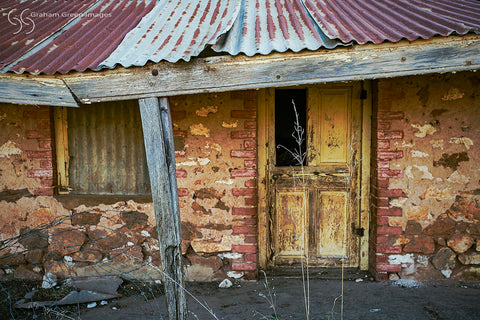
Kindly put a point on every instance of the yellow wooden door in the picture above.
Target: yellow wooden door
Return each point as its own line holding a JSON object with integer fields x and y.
{"x": 313, "y": 175}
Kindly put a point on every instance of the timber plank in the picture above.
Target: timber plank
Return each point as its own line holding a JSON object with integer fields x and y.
{"x": 38, "y": 91}
{"x": 227, "y": 73}
{"x": 159, "y": 160}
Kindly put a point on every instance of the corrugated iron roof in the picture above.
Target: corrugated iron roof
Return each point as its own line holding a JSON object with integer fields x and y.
{"x": 174, "y": 30}
{"x": 264, "y": 26}
{"x": 392, "y": 20}
{"x": 86, "y": 40}
{"x": 60, "y": 36}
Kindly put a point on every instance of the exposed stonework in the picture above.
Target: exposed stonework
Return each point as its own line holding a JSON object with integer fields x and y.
{"x": 215, "y": 147}
{"x": 438, "y": 118}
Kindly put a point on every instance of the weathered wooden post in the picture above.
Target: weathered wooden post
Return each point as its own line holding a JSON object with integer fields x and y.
{"x": 158, "y": 137}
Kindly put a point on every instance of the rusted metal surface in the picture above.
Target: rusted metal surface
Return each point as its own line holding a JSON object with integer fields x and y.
{"x": 106, "y": 149}
{"x": 21, "y": 32}
{"x": 67, "y": 37}
{"x": 174, "y": 30}
{"x": 272, "y": 25}
{"x": 393, "y": 20}
{"x": 46, "y": 37}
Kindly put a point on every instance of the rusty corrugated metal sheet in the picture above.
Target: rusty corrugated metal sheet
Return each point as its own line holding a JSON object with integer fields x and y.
{"x": 174, "y": 30}
{"x": 21, "y": 31}
{"x": 133, "y": 32}
{"x": 106, "y": 150}
{"x": 264, "y": 26}
{"x": 84, "y": 41}
{"x": 393, "y": 20}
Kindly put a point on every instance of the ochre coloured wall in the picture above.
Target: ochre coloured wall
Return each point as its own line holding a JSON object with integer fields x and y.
{"x": 215, "y": 142}
{"x": 428, "y": 151}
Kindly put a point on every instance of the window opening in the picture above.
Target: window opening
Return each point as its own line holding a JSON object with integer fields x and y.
{"x": 290, "y": 127}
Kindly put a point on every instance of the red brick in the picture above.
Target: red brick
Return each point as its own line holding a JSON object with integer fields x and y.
{"x": 382, "y": 221}
{"x": 250, "y": 124}
{"x": 244, "y": 94}
{"x": 382, "y": 144}
{"x": 45, "y": 144}
{"x": 250, "y": 104}
{"x": 44, "y": 192}
{"x": 243, "y": 114}
{"x": 390, "y": 193}
{"x": 37, "y": 114}
{"x": 383, "y": 164}
{"x": 244, "y": 248}
{"x": 39, "y": 154}
{"x": 243, "y": 153}
{"x": 388, "y": 155}
{"x": 46, "y": 164}
{"x": 250, "y": 144}
{"x": 389, "y": 135}
{"x": 237, "y": 266}
{"x": 389, "y": 249}
{"x": 253, "y": 201}
{"x": 243, "y": 173}
{"x": 250, "y": 164}
{"x": 244, "y": 229}
{"x": 251, "y": 239}
{"x": 389, "y": 230}
{"x": 38, "y": 134}
{"x": 382, "y": 240}
{"x": 250, "y": 221}
{"x": 381, "y": 259}
{"x": 181, "y": 174}
{"x": 46, "y": 182}
{"x": 251, "y": 258}
{"x": 383, "y": 202}
{"x": 388, "y": 267}
{"x": 384, "y": 125}
{"x": 40, "y": 173}
{"x": 182, "y": 192}
{"x": 383, "y": 183}
{"x": 391, "y": 115}
{"x": 178, "y": 115}
{"x": 246, "y": 192}
{"x": 244, "y": 211}
{"x": 251, "y": 183}
{"x": 242, "y": 134}
{"x": 390, "y": 212}
{"x": 381, "y": 276}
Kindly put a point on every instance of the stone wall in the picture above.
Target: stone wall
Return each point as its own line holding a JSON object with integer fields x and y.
{"x": 215, "y": 144}
{"x": 427, "y": 222}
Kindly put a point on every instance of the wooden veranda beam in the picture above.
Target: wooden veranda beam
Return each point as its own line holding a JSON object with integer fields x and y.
{"x": 225, "y": 73}
{"x": 158, "y": 137}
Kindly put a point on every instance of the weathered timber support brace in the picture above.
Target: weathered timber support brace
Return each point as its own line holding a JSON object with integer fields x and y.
{"x": 158, "y": 137}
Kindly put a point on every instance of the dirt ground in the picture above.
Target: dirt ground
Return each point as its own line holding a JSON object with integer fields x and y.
{"x": 362, "y": 300}
{"x": 277, "y": 298}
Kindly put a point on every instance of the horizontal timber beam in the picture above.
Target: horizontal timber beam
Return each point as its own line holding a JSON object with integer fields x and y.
{"x": 26, "y": 89}
{"x": 226, "y": 73}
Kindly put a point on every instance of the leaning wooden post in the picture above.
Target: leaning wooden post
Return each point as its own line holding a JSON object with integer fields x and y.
{"x": 158, "y": 137}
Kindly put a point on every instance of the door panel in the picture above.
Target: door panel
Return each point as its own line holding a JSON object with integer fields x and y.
{"x": 290, "y": 235}
{"x": 332, "y": 222}
{"x": 333, "y": 126}
{"x": 314, "y": 204}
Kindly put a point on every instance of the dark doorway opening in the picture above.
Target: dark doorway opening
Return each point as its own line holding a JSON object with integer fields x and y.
{"x": 290, "y": 127}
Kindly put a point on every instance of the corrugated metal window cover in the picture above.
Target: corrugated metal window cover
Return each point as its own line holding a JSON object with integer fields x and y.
{"x": 106, "y": 150}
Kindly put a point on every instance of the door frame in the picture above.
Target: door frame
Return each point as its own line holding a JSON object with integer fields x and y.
{"x": 265, "y": 110}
